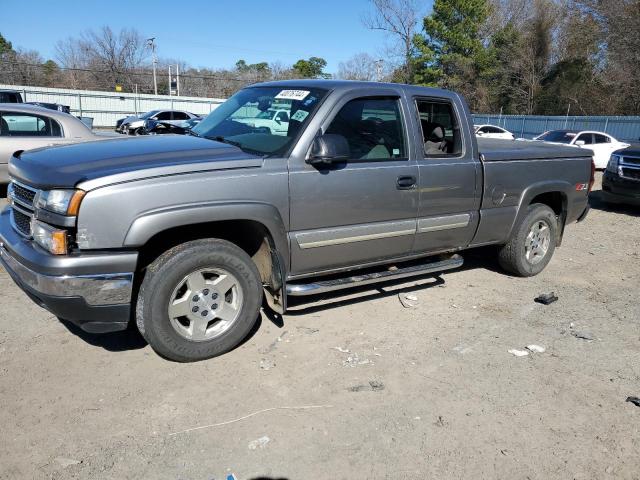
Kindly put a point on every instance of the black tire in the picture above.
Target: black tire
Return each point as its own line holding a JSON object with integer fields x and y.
{"x": 513, "y": 255}
{"x": 162, "y": 278}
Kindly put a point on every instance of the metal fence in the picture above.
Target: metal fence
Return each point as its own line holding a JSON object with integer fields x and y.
{"x": 107, "y": 107}
{"x": 529, "y": 126}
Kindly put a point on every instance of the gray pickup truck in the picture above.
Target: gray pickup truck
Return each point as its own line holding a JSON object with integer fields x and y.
{"x": 185, "y": 235}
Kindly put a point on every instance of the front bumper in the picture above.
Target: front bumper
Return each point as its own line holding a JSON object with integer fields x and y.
{"x": 92, "y": 291}
{"x": 616, "y": 189}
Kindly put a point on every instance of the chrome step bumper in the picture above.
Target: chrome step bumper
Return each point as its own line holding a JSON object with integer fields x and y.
{"x": 322, "y": 286}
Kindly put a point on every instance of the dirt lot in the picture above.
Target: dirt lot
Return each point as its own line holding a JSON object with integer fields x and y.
{"x": 425, "y": 392}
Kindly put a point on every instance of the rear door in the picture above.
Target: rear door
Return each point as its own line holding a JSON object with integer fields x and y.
{"x": 363, "y": 210}
{"x": 450, "y": 176}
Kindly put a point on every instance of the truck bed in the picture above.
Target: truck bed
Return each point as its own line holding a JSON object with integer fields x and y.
{"x": 496, "y": 150}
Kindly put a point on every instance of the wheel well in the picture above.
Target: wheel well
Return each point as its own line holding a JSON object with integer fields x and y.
{"x": 251, "y": 236}
{"x": 557, "y": 202}
{"x": 554, "y": 200}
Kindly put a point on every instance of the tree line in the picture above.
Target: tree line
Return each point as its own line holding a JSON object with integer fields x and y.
{"x": 512, "y": 56}
{"x": 544, "y": 57}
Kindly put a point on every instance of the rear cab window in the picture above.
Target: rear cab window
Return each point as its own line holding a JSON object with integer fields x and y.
{"x": 440, "y": 127}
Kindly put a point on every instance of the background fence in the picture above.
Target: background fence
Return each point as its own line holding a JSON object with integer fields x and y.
{"x": 107, "y": 107}
{"x": 529, "y": 126}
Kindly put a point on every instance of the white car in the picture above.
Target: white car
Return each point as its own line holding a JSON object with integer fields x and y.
{"x": 601, "y": 144}
{"x": 491, "y": 131}
{"x": 277, "y": 121}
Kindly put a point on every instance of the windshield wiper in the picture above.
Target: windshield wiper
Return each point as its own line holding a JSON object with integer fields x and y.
{"x": 194, "y": 134}
{"x": 221, "y": 139}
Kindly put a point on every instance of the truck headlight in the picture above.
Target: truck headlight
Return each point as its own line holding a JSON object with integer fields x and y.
{"x": 64, "y": 202}
{"x": 52, "y": 239}
{"x": 612, "y": 166}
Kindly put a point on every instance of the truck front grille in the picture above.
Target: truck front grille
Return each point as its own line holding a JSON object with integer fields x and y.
{"x": 632, "y": 173}
{"x": 21, "y": 222}
{"x": 23, "y": 194}
{"x": 631, "y": 160}
{"x": 22, "y": 200}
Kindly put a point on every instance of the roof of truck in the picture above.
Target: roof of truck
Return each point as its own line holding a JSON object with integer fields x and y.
{"x": 351, "y": 84}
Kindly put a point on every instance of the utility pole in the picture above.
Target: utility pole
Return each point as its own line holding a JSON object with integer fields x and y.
{"x": 379, "y": 64}
{"x": 152, "y": 45}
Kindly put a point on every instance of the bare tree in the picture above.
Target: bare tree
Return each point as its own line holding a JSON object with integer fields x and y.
{"x": 361, "y": 66}
{"x": 399, "y": 19}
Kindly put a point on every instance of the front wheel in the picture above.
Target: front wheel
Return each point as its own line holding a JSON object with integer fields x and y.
{"x": 198, "y": 300}
{"x": 532, "y": 242}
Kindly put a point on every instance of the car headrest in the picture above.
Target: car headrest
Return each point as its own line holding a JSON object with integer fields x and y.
{"x": 433, "y": 132}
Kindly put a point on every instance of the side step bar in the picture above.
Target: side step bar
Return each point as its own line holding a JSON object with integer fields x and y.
{"x": 322, "y": 286}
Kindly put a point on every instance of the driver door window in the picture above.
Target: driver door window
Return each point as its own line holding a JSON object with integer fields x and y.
{"x": 163, "y": 116}
{"x": 373, "y": 128}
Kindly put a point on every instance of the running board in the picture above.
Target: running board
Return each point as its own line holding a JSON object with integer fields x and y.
{"x": 322, "y": 286}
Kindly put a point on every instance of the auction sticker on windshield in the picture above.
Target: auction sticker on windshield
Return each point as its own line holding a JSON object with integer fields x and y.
{"x": 292, "y": 94}
{"x": 299, "y": 116}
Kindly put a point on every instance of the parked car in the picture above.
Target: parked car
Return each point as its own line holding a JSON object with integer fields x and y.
{"x": 601, "y": 144}
{"x": 186, "y": 233}
{"x": 51, "y": 106}
{"x": 491, "y": 131}
{"x": 10, "y": 96}
{"x": 25, "y": 127}
{"x": 621, "y": 180}
{"x": 271, "y": 121}
{"x": 135, "y": 125}
{"x": 156, "y": 127}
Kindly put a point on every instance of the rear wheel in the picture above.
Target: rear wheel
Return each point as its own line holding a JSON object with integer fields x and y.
{"x": 199, "y": 300}
{"x": 532, "y": 243}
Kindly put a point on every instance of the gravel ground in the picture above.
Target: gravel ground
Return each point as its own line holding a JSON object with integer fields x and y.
{"x": 353, "y": 386}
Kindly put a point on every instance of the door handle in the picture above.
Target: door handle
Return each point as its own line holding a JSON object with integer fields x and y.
{"x": 406, "y": 182}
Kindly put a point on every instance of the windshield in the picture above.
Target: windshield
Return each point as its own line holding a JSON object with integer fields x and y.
{"x": 557, "y": 136}
{"x": 149, "y": 114}
{"x": 247, "y": 121}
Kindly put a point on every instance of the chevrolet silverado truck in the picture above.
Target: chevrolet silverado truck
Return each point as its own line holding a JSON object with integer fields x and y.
{"x": 184, "y": 236}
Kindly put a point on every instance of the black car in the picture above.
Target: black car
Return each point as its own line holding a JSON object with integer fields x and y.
{"x": 621, "y": 181}
{"x": 52, "y": 106}
{"x": 155, "y": 127}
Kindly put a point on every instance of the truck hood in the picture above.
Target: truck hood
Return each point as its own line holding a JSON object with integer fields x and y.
{"x": 125, "y": 159}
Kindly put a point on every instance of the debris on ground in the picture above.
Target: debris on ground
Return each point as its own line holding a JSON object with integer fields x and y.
{"x": 308, "y": 330}
{"x": 583, "y": 335}
{"x": 66, "y": 462}
{"x": 372, "y": 386}
{"x": 462, "y": 349}
{"x": 266, "y": 364}
{"x": 259, "y": 443}
{"x": 546, "y": 298}
{"x": 354, "y": 361}
{"x": 634, "y": 400}
{"x": 341, "y": 350}
{"x": 536, "y": 348}
{"x": 270, "y": 348}
{"x": 518, "y": 353}
{"x": 408, "y": 300}
{"x": 440, "y": 421}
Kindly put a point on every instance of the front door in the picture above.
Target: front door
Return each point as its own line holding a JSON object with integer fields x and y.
{"x": 450, "y": 189}
{"x": 363, "y": 210}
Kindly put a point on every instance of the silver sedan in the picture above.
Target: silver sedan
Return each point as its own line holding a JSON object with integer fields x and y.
{"x": 25, "y": 127}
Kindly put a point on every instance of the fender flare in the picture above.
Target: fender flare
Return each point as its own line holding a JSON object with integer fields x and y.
{"x": 535, "y": 189}
{"x": 144, "y": 227}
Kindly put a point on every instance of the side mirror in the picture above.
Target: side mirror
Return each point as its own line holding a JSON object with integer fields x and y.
{"x": 327, "y": 149}
{"x": 579, "y": 143}
{"x": 150, "y": 125}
